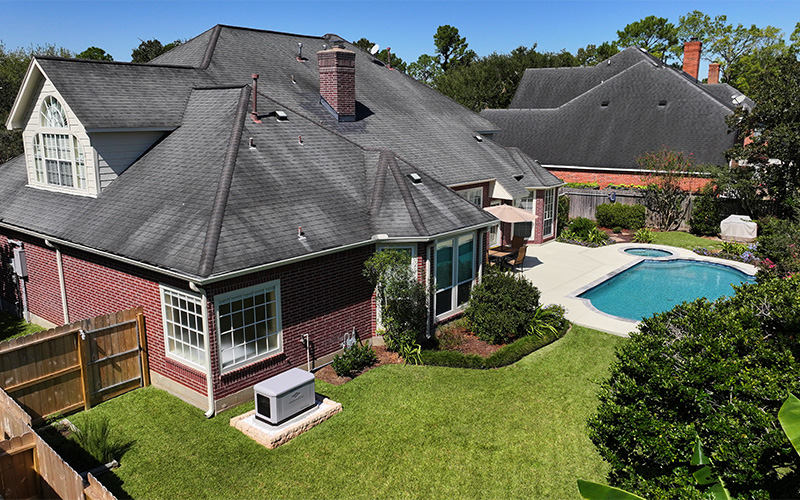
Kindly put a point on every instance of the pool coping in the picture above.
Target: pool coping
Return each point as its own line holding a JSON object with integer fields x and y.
{"x": 564, "y": 271}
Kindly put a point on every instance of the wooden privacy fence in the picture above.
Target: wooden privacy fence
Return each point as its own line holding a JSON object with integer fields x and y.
{"x": 30, "y": 468}
{"x": 75, "y": 366}
{"x": 584, "y": 202}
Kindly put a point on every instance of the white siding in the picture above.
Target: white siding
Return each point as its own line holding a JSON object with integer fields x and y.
{"x": 75, "y": 128}
{"x": 116, "y": 151}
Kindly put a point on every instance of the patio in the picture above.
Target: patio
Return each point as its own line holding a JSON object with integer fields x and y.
{"x": 562, "y": 270}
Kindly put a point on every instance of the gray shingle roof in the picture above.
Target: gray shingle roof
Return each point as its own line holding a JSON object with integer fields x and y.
{"x": 558, "y": 117}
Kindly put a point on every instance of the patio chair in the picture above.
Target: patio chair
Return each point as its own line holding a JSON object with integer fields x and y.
{"x": 519, "y": 260}
{"x": 517, "y": 242}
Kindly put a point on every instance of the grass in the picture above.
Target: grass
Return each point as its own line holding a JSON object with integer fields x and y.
{"x": 685, "y": 240}
{"x": 405, "y": 432}
{"x": 12, "y": 327}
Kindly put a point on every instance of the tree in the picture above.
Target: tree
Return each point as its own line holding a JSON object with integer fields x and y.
{"x": 451, "y": 48}
{"x": 771, "y": 162}
{"x": 426, "y": 69}
{"x": 592, "y": 54}
{"x": 664, "y": 197}
{"x": 719, "y": 371}
{"x": 383, "y": 55}
{"x": 13, "y": 65}
{"x": 95, "y": 53}
{"x": 150, "y": 49}
{"x": 654, "y": 34}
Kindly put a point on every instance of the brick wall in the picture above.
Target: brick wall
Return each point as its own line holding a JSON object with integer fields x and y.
{"x": 604, "y": 178}
{"x": 337, "y": 80}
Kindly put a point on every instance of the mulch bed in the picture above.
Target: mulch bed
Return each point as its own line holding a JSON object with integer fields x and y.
{"x": 465, "y": 342}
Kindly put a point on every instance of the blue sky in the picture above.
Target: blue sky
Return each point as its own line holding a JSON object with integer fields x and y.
{"x": 407, "y": 26}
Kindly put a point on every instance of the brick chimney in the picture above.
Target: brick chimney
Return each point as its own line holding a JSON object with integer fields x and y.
{"x": 337, "y": 82}
{"x": 713, "y": 73}
{"x": 691, "y": 57}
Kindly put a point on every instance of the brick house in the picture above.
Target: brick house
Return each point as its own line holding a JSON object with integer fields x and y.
{"x": 238, "y": 209}
{"x": 590, "y": 124}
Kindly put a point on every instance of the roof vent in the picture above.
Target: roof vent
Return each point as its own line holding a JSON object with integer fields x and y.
{"x": 414, "y": 177}
{"x": 662, "y": 103}
{"x": 478, "y": 138}
{"x": 604, "y": 104}
{"x": 281, "y": 116}
{"x": 299, "y": 51}
{"x": 252, "y": 144}
{"x": 518, "y": 177}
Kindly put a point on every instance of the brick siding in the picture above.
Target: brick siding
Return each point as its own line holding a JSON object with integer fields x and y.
{"x": 604, "y": 178}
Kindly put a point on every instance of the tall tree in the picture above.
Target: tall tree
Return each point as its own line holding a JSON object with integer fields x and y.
{"x": 95, "y": 53}
{"x": 383, "y": 55}
{"x": 654, "y": 34}
{"x": 593, "y": 54}
{"x": 150, "y": 49}
{"x": 425, "y": 69}
{"x": 451, "y": 47}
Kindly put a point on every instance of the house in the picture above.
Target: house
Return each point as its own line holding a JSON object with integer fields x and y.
{"x": 590, "y": 124}
{"x": 234, "y": 187}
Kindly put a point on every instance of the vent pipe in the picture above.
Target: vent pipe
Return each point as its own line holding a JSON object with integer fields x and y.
{"x": 389, "y": 57}
{"x": 254, "y": 114}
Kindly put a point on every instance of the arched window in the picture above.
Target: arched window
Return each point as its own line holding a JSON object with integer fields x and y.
{"x": 58, "y": 159}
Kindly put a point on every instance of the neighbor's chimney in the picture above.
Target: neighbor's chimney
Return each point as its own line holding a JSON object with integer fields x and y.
{"x": 713, "y": 73}
{"x": 337, "y": 82}
{"x": 389, "y": 57}
{"x": 254, "y": 113}
{"x": 691, "y": 57}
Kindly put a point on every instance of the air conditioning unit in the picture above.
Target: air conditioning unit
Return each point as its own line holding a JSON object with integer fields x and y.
{"x": 284, "y": 396}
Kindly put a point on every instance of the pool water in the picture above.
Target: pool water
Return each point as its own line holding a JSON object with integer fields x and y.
{"x": 648, "y": 252}
{"x": 656, "y": 286}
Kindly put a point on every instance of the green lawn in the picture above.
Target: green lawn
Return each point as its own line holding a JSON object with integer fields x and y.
{"x": 12, "y": 327}
{"x": 405, "y": 432}
{"x": 684, "y": 240}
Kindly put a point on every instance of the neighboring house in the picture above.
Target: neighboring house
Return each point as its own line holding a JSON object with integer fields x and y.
{"x": 239, "y": 210}
{"x": 590, "y": 124}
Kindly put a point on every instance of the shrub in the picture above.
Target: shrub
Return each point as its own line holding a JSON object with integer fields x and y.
{"x": 733, "y": 248}
{"x": 777, "y": 247}
{"x": 448, "y": 335}
{"x": 582, "y": 185}
{"x": 616, "y": 230}
{"x": 706, "y": 215}
{"x": 618, "y": 214}
{"x": 501, "y": 306}
{"x": 354, "y": 359}
{"x": 563, "y": 213}
{"x": 596, "y": 236}
{"x": 717, "y": 371}
{"x": 581, "y": 226}
{"x": 95, "y": 438}
{"x": 643, "y": 235}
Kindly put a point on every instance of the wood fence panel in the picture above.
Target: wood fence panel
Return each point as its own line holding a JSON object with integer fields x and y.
{"x": 72, "y": 366}
{"x": 56, "y": 472}
{"x": 13, "y": 419}
{"x": 96, "y": 490}
{"x": 18, "y": 477}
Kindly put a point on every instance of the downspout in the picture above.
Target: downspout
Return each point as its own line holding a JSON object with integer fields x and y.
{"x": 61, "y": 281}
{"x": 209, "y": 370}
{"x": 430, "y": 285}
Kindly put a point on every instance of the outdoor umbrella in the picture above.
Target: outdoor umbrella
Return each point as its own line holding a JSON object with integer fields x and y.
{"x": 507, "y": 213}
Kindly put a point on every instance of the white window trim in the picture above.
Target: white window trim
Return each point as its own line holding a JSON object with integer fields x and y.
{"x": 198, "y": 300}
{"x": 454, "y": 287}
{"x": 548, "y": 229}
{"x": 402, "y": 246}
{"x": 468, "y": 194}
{"x": 79, "y": 186}
{"x": 223, "y": 297}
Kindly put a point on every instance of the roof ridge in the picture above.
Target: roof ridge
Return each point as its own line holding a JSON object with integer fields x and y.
{"x": 209, "y": 253}
{"x": 118, "y": 63}
{"x": 212, "y": 45}
{"x": 408, "y": 199}
{"x": 259, "y": 30}
{"x": 380, "y": 184}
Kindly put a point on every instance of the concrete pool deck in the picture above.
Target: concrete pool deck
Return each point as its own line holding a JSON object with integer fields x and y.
{"x": 560, "y": 271}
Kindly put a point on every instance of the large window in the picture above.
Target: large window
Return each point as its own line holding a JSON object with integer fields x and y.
{"x": 525, "y": 229}
{"x": 455, "y": 271}
{"x": 549, "y": 212}
{"x": 58, "y": 158}
{"x": 474, "y": 196}
{"x": 183, "y": 326}
{"x": 249, "y": 324}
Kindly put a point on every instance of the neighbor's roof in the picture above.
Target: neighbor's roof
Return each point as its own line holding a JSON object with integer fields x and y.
{"x": 606, "y": 116}
{"x": 203, "y": 203}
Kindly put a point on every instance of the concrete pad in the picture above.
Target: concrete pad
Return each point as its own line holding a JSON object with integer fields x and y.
{"x": 562, "y": 271}
{"x": 273, "y": 436}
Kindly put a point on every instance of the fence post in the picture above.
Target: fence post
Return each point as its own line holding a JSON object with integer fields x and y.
{"x": 143, "y": 350}
{"x": 83, "y": 356}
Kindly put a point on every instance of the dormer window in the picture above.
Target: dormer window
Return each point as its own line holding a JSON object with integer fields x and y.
{"x": 58, "y": 158}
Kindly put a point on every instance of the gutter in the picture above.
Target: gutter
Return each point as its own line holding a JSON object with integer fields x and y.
{"x": 209, "y": 371}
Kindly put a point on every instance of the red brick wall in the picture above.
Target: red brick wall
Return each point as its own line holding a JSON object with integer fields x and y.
{"x": 337, "y": 80}
{"x": 691, "y": 58}
{"x": 604, "y": 178}
{"x": 43, "y": 289}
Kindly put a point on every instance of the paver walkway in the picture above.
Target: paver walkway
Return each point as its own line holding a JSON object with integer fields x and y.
{"x": 560, "y": 271}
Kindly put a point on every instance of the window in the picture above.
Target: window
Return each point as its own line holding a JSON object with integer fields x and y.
{"x": 525, "y": 229}
{"x": 455, "y": 271}
{"x": 58, "y": 158}
{"x": 549, "y": 212}
{"x": 494, "y": 236}
{"x": 183, "y": 326}
{"x": 474, "y": 196}
{"x": 249, "y": 324}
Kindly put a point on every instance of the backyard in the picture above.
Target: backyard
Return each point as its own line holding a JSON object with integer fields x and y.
{"x": 405, "y": 432}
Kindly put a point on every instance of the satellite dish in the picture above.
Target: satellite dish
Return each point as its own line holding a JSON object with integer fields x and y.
{"x": 738, "y": 99}
{"x": 374, "y": 50}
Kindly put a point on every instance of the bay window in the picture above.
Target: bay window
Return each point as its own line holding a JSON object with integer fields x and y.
{"x": 455, "y": 271}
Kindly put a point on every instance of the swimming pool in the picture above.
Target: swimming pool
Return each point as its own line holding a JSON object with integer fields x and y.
{"x": 648, "y": 252}
{"x": 652, "y": 286}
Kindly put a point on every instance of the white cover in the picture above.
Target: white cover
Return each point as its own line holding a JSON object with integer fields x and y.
{"x": 738, "y": 228}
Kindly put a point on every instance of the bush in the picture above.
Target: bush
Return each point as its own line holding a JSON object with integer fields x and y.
{"x": 617, "y": 214}
{"x": 777, "y": 247}
{"x": 581, "y": 227}
{"x": 448, "y": 335}
{"x": 733, "y": 248}
{"x": 706, "y": 215}
{"x": 563, "y": 213}
{"x": 717, "y": 371}
{"x": 354, "y": 359}
{"x": 616, "y": 230}
{"x": 596, "y": 236}
{"x": 501, "y": 306}
{"x": 95, "y": 439}
{"x": 582, "y": 185}
{"x": 643, "y": 235}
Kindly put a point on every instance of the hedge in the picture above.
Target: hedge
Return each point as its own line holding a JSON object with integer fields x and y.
{"x": 617, "y": 214}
